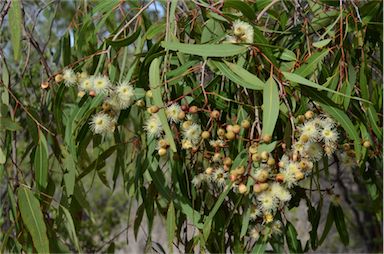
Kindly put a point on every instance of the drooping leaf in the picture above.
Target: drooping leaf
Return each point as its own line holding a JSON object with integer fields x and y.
{"x": 291, "y": 235}
{"x": 15, "y": 21}
{"x": 33, "y": 219}
{"x": 311, "y": 64}
{"x": 41, "y": 162}
{"x": 155, "y": 84}
{"x": 171, "y": 225}
{"x": 271, "y": 104}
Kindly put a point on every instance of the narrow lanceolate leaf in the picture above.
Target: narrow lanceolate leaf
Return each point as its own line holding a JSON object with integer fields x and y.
{"x": 207, "y": 50}
{"x": 293, "y": 77}
{"x": 171, "y": 225}
{"x": 270, "y": 106}
{"x": 322, "y": 43}
{"x": 339, "y": 115}
{"x": 15, "y": 21}
{"x": 250, "y": 78}
{"x": 311, "y": 64}
{"x": 41, "y": 162}
{"x": 70, "y": 226}
{"x": 33, "y": 219}
{"x": 340, "y": 223}
{"x": 155, "y": 84}
{"x": 291, "y": 235}
{"x": 227, "y": 72}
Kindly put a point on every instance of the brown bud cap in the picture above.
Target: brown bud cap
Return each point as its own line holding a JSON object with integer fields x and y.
{"x": 280, "y": 178}
{"x": 163, "y": 143}
{"x": 184, "y": 107}
{"x": 106, "y": 106}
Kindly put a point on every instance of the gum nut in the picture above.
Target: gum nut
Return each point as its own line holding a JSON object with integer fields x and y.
{"x": 153, "y": 109}
{"x": 162, "y": 151}
{"x": 271, "y": 162}
{"x": 220, "y": 132}
{"x": 205, "y": 134}
{"x": 209, "y": 171}
{"x": 193, "y": 109}
{"x": 245, "y": 124}
{"x": 256, "y": 157}
{"x": 309, "y": 114}
{"x": 229, "y": 127}
{"x": 230, "y": 135}
{"x": 236, "y": 128}
{"x": 59, "y": 78}
{"x": 279, "y": 178}
{"x": 242, "y": 188}
{"x": 264, "y": 155}
{"x": 214, "y": 114}
{"x": 267, "y": 138}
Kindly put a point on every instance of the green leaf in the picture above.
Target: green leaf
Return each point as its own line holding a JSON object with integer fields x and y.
{"x": 234, "y": 77}
{"x": 293, "y": 77}
{"x": 340, "y": 223}
{"x": 245, "y": 222}
{"x": 7, "y": 123}
{"x": 248, "y": 77}
{"x": 322, "y": 43}
{"x": 311, "y": 64}
{"x": 171, "y": 225}
{"x": 270, "y": 106}
{"x": 291, "y": 235}
{"x": 328, "y": 225}
{"x": 241, "y": 6}
{"x": 70, "y": 226}
{"x": 155, "y": 85}
{"x": 259, "y": 247}
{"x": 287, "y": 55}
{"x": 154, "y": 30}
{"x": 207, "y": 50}
{"x": 15, "y": 21}
{"x": 119, "y": 43}
{"x": 41, "y": 162}
{"x": 339, "y": 115}
{"x": 220, "y": 200}
{"x": 33, "y": 219}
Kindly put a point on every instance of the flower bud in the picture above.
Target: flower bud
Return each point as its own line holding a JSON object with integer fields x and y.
{"x": 245, "y": 124}
{"x": 236, "y": 129}
{"x": 367, "y": 144}
{"x": 59, "y": 78}
{"x": 162, "y": 151}
{"x": 140, "y": 103}
{"x": 163, "y": 143}
{"x": 256, "y": 157}
{"x": 230, "y": 135}
{"x": 44, "y": 85}
{"x": 252, "y": 149}
{"x": 181, "y": 115}
{"x": 242, "y": 188}
{"x": 271, "y": 162}
{"x": 229, "y": 127}
{"x": 309, "y": 114}
{"x": 215, "y": 114}
{"x": 205, "y": 135}
{"x": 264, "y": 155}
{"x": 92, "y": 93}
{"x": 281, "y": 164}
{"x": 280, "y": 178}
{"x": 149, "y": 94}
{"x": 193, "y": 110}
{"x": 301, "y": 119}
{"x": 267, "y": 138}
{"x": 227, "y": 161}
{"x": 262, "y": 176}
{"x": 153, "y": 109}
{"x": 209, "y": 171}
{"x": 221, "y": 132}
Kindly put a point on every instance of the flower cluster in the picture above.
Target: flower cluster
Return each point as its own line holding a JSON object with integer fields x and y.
{"x": 117, "y": 97}
{"x": 242, "y": 33}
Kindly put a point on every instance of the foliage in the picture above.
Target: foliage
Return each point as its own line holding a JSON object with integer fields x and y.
{"x": 217, "y": 116}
